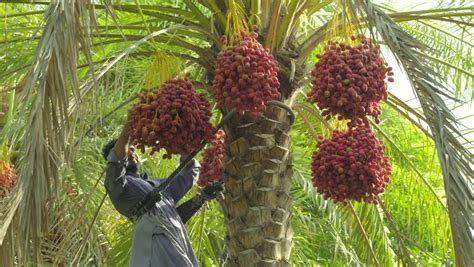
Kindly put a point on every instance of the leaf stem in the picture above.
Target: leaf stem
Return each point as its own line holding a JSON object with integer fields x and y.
{"x": 364, "y": 233}
{"x": 201, "y": 231}
{"x": 397, "y": 233}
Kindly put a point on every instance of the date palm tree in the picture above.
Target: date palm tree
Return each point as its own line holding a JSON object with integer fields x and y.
{"x": 63, "y": 61}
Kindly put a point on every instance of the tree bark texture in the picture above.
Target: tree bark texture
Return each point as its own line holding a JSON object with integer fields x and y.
{"x": 258, "y": 175}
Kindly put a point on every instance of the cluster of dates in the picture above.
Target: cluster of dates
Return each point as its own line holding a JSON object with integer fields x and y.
{"x": 351, "y": 166}
{"x": 175, "y": 118}
{"x": 349, "y": 81}
{"x": 8, "y": 178}
{"x": 212, "y": 166}
{"x": 246, "y": 76}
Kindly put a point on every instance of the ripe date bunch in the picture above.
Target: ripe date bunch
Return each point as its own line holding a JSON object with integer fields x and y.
{"x": 246, "y": 76}
{"x": 351, "y": 166}
{"x": 349, "y": 82}
{"x": 8, "y": 177}
{"x": 175, "y": 118}
{"x": 212, "y": 165}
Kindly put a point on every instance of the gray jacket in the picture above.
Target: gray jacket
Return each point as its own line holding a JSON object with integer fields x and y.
{"x": 160, "y": 238}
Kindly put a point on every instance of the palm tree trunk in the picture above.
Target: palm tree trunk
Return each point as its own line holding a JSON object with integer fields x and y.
{"x": 258, "y": 175}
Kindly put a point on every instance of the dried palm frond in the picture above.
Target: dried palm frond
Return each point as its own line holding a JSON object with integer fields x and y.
{"x": 45, "y": 124}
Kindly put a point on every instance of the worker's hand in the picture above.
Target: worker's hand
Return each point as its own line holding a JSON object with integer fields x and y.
{"x": 210, "y": 191}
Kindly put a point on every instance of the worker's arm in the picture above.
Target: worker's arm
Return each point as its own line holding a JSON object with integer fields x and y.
{"x": 121, "y": 147}
{"x": 184, "y": 180}
{"x": 190, "y": 207}
{"x": 116, "y": 162}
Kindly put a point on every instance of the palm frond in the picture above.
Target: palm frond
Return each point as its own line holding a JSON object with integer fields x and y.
{"x": 218, "y": 11}
{"x": 411, "y": 164}
{"x": 286, "y": 23}
{"x": 411, "y": 198}
{"x": 88, "y": 85}
{"x": 451, "y": 45}
{"x": 366, "y": 245}
{"x": 272, "y": 28}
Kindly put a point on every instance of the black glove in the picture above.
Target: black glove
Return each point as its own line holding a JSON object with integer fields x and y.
{"x": 210, "y": 191}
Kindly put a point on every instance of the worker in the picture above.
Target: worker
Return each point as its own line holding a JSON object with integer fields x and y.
{"x": 160, "y": 238}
